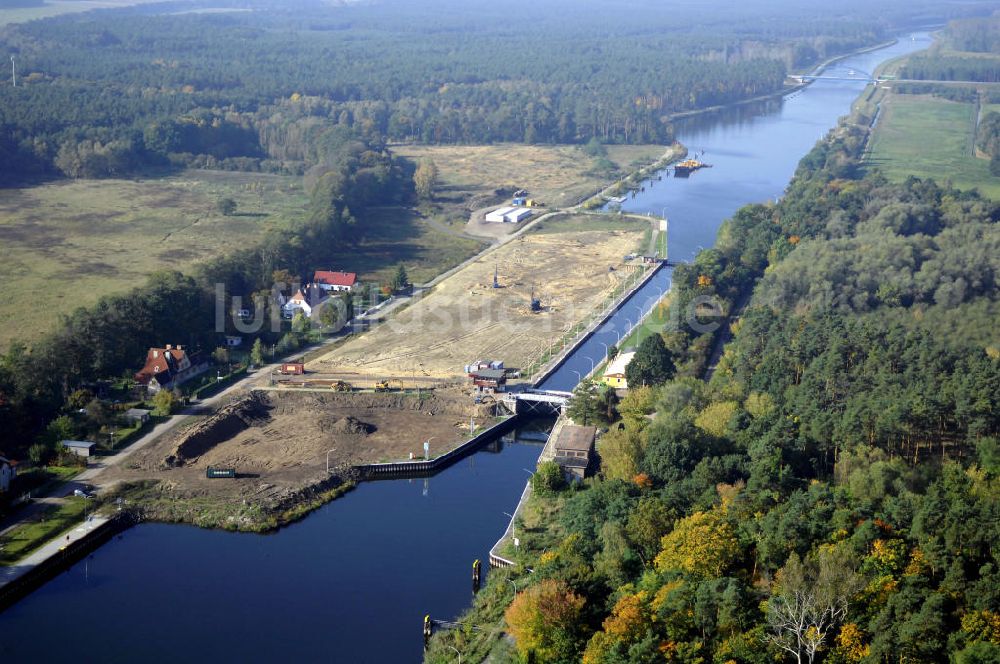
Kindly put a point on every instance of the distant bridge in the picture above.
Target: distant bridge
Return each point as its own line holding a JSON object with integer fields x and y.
{"x": 853, "y": 75}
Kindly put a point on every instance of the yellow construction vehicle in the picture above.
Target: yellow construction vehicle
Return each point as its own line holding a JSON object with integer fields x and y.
{"x": 388, "y": 385}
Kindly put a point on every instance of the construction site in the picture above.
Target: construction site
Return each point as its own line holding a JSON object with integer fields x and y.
{"x": 508, "y": 304}
{"x": 419, "y": 376}
{"x": 281, "y": 444}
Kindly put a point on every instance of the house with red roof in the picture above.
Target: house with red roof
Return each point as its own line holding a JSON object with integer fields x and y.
{"x": 335, "y": 281}
{"x": 169, "y": 367}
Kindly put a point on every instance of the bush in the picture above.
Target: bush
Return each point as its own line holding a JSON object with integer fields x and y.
{"x": 548, "y": 479}
{"x": 165, "y": 402}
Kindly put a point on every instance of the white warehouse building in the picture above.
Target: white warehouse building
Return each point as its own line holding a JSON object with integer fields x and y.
{"x": 508, "y": 215}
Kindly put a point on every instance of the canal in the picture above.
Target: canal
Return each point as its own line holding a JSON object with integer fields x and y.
{"x": 352, "y": 582}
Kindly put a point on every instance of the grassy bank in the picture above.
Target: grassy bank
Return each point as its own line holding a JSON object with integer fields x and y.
{"x": 51, "y": 523}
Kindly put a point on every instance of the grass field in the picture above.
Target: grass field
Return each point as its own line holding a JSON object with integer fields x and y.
{"x": 930, "y": 138}
{"x": 65, "y": 244}
{"x": 397, "y": 235}
{"x": 558, "y": 175}
{"x": 57, "y": 7}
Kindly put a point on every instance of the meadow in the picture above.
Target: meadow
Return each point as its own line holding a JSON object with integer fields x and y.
{"x": 930, "y": 138}
{"x": 65, "y": 244}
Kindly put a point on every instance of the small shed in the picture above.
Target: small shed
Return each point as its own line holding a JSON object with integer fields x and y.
{"x": 139, "y": 415}
{"x": 83, "y": 448}
{"x": 489, "y": 380}
{"x": 293, "y": 368}
{"x": 574, "y": 449}
{"x": 232, "y": 341}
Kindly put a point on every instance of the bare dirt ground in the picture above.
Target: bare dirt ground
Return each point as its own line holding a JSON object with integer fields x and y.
{"x": 278, "y": 441}
{"x": 465, "y": 319}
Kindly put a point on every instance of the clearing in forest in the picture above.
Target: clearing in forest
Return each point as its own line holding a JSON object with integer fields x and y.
{"x": 557, "y": 175}
{"x": 930, "y": 138}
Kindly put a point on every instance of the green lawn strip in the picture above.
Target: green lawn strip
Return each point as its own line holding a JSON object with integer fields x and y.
{"x": 24, "y": 539}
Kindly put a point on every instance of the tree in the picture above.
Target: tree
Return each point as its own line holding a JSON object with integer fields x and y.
{"x": 401, "y": 280}
{"x": 636, "y": 405}
{"x": 425, "y": 178}
{"x": 647, "y": 524}
{"x": 703, "y": 544}
{"x": 300, "y": 322}
{"x": 652, "y": 364}
{"x": 257, "y": 353}
{"x": 584, "y": 406}
{"x": 220, "y": 355}
{"x": 226, "y": 206}
{"x": 548, "y": 478}
{"x": 79, "y": 399}
{"x": 621, "y": 453}
{"x": 165, "y": 402}
{"x": 810, "y": 599}
{"x": 545, "y": 622}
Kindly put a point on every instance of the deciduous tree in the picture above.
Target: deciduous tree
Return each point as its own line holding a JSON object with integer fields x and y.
{"x": 545, "y": 621}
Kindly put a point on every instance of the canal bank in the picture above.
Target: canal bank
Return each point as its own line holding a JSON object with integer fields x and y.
{"x": 357, "y": 576}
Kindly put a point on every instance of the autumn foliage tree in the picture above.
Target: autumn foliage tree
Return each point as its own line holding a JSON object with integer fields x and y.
{"x": 425, "y": 178}
{"x": 545, "y": 622}
{"x": 703, "y": 544}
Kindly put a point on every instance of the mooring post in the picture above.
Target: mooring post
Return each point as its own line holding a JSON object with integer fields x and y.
{"x": 477, "y": 568}
{"x": 428, "y": 629}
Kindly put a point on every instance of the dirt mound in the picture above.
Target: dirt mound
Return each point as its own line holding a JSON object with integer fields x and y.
{"x": 352, "y": 425}
{"x": 252, "y": 410}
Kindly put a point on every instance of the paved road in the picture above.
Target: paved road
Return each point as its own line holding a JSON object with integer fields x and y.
{"x": 8, "y": 574}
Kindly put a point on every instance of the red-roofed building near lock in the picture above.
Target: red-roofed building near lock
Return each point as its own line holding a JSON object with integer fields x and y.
{"x": 335, "y": 281}
{"x": 168, "y": 367}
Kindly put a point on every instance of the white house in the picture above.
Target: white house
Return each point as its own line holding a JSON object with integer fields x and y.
{"x": 508, "y": 215}
{"x": 517, "y": 214}
{"x": 306, "y": 299}
{"x": 499, "y": 216}
{"x": 335, "y": 281}
{"x": 8, "y": 471}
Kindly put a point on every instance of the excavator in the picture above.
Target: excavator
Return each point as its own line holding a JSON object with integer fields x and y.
{"x": 388, "y": 385}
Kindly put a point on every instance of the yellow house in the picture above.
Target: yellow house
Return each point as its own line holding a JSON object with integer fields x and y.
{"x": 614, "y": 374}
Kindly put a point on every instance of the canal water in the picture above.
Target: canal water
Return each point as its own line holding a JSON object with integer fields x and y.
{"x": 754, "y": 150}
{"x": 352, "y": 581}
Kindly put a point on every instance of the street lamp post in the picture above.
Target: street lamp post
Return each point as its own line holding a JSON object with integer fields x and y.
{"x": 512, "y": 535}
{"x": 457, "y": 653}
{"x": 579, "y": 376}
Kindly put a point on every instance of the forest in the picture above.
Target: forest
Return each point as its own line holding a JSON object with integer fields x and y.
{"x": 116, "y": 92}
{"x": 831, "y": 493}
